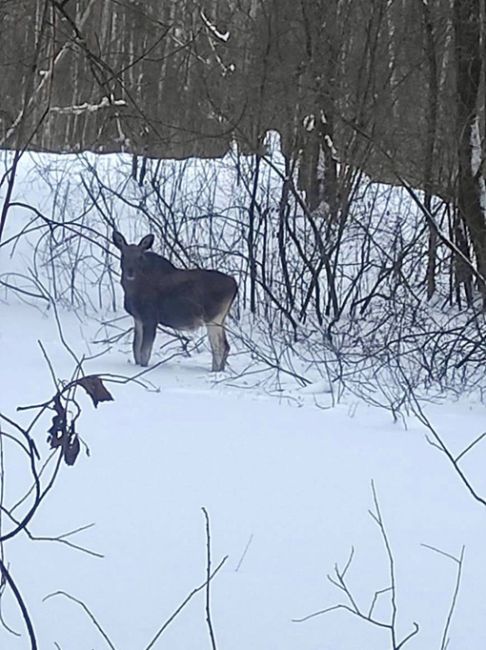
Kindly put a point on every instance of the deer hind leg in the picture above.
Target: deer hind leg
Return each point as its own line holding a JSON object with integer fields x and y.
{"x": 217, "y": 338}
{"x": 148, "y": 335}
{"x": 219, "y": 345}
{"x": 137, "y": 340}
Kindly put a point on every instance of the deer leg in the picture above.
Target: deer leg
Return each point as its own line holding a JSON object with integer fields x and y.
{"x": 226, "y": 348}
{"x": 148, "y": 336}
{"x": 137, "y": 340}
{"x": 219, "y": 346}
{"x": 217, "y": 338}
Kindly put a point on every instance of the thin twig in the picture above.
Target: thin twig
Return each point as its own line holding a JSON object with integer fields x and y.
{"x": 420, "y": 415}
{"x": 353, "y": 608}
{"x": 88, "y": 612}
{"x": 245, "y": 551}
{"x": 183, "y": 604}
{"x": 470, "y": 446}
{"x": 208, "y": 581}
{"x": 18, "y": 597}
{"x": 459, "y": 561}
{"x": 379, "y": 520}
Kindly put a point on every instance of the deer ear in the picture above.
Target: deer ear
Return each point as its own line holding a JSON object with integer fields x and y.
{"x": 119, "y": 240}
{"x": 146, "y": 242}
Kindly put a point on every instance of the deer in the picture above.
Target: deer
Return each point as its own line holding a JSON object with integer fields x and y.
{"x": 156, "y": 292}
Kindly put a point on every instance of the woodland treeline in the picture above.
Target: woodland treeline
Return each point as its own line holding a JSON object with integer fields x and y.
{"x": 391, "y": 88}
{"x": 394, "y": 80}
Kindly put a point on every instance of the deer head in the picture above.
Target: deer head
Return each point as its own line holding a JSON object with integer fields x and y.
{"x": 132, "y": 255}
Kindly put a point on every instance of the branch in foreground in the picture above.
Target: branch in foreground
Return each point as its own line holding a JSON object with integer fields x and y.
{"x": 440, "y": 444}
{"x": 459, "y": 562}
{"x": 208, "y": 582}
{"x": 339, "y": 581}
{"x": 183, "y": 604}
{"x": 20, "y": 601}
{"x": 88, "y": 612}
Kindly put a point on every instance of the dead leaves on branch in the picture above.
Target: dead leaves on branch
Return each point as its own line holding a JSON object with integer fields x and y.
{"x": 62, "y": 432}
{"x": 95, "y": 388}
{"x": 71, "y": 449}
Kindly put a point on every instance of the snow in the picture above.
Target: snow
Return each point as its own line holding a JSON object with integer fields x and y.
{"x": 295, "y": 481}
{"x": 285, "y": 475}
{"x": 79, "y": 109}
{"x": 223, "y": 36}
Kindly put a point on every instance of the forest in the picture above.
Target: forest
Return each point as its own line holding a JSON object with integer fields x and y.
{"x": 328, "y": 156}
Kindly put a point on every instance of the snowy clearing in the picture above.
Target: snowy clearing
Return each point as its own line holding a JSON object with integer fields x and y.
{"x": 289, "y": 483}
{"x": 283, "y": 449}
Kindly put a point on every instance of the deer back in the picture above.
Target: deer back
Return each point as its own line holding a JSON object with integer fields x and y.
{"x": 157, "y": 291}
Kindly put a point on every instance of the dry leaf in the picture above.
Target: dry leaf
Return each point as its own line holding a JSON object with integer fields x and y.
{"x": 58, "y": 426}
{"x": 71, "y": 450}
{"x": 95, "y": 388}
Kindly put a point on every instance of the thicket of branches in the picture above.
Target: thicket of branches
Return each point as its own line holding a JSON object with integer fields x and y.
{"x": 343, "y": 299}
{"x": 343, "y": 279}
{"x": 389, "y": 88}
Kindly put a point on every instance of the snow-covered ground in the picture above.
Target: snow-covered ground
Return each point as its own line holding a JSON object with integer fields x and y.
{"x": 287, "y": 487}
{"x": 284, "y": 472}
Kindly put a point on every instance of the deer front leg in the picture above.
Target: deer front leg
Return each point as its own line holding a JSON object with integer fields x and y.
{"x": 148, "y": 335}
{"x": 137, "y": 340}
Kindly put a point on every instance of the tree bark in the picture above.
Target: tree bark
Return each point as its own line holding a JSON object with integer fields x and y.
{"x": 467, "y": 30}
{"x": 431, "y": 136}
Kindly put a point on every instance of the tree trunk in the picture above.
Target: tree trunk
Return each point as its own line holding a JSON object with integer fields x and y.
{"x": 433, "y": 92}
{"x": 468, "y": 70}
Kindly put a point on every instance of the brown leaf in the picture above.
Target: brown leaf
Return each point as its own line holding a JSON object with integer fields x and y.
{"x": 58, "y": 425}
{"x": 95, "y": 388}
{"x": 71, "y": 450}
{"x": 56, "y": 433}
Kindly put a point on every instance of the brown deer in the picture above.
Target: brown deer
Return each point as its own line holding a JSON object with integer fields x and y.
{"x": 158, "y": 292}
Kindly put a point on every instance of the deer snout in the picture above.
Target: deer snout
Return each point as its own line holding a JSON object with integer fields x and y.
{"x": 129, "y": 271}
